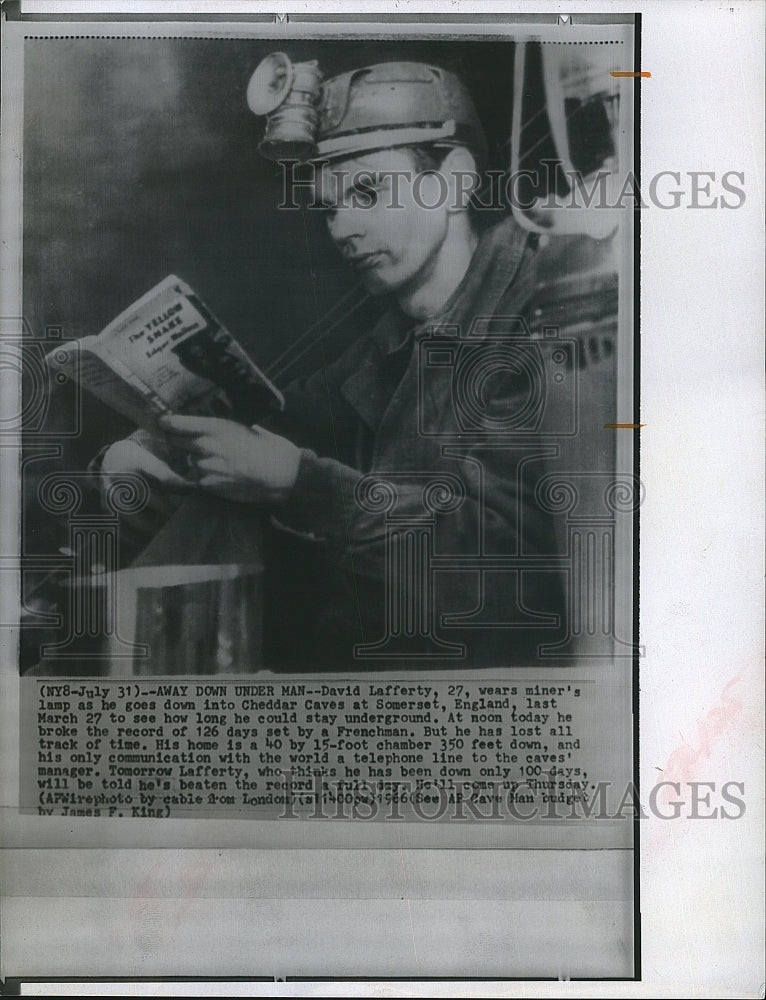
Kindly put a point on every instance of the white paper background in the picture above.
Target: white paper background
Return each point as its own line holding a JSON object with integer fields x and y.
{"x": 701, "y": 550}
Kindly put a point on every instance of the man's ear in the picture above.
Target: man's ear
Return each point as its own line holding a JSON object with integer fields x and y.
{"x": 459, "y": 170}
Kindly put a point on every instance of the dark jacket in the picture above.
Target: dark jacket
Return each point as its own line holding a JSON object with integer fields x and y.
{"x": 442, "y": 416}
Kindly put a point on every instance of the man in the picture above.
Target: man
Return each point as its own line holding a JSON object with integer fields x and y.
{"x": 387, "y": 481}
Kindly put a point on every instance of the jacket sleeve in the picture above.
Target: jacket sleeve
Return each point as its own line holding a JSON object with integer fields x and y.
{"x": 480, "y": 501}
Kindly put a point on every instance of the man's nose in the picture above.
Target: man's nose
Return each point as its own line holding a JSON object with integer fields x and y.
{"x": 346, "y": 224}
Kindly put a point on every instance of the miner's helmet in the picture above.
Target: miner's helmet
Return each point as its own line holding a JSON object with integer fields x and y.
{"x": 376, "y": 107}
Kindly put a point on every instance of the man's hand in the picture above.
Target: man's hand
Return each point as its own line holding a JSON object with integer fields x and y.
{"x": 129, "y": 456}
{"x": 251, "y": 465}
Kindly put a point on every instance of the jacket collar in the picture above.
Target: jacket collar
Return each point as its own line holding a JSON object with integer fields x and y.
{"x": 492, "y": 269}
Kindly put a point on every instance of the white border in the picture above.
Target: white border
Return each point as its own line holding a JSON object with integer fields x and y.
{"x": 702, "y": 463}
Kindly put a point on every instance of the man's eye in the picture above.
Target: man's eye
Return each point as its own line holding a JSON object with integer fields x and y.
{"x": 366, "y": 196}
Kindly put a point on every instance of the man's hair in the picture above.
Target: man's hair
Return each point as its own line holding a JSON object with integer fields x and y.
{"x": 430, "y": 156}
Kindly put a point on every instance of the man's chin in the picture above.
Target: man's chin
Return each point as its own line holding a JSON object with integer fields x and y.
{"x": 377, "y": 283}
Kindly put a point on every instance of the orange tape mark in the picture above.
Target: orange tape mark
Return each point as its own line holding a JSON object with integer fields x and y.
{"x": 645, "y": 74}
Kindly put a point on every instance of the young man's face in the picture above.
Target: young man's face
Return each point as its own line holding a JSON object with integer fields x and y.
{"x": 377, "y": 215}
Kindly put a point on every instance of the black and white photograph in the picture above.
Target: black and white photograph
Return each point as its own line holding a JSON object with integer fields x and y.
{"x": 321, "y": 400}
{"x": 399, "y": 446}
